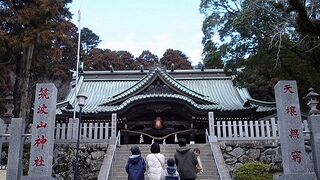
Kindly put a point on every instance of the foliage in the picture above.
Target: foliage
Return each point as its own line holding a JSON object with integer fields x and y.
{"x": 89, "y": 40}
{"x": 127, "y": 59}
{"x": 212, "y": 57}
{"x": 28, "y": 30}
{"x": 253, "y": 171}
{"x": 262, "y": 39}
{"x": 177, "y": 58}
{"x": 147, "y": 59}
{"x": 306, "y": 24}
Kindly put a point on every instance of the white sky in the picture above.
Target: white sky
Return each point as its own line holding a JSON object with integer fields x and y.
{"x": 137, "y": 25}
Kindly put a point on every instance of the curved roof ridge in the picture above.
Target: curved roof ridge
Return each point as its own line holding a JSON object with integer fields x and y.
{"x": 259, "y": 102}
{"x": 179, "y": 84}
{"x": 130, "y": 100}
{"x": 149, "y": 78}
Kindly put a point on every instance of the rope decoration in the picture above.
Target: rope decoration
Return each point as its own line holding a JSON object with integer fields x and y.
{"x": 157, "y": 138}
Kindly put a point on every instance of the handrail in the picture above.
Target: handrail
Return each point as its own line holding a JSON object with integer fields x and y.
{"x": 109, "y": 161}
{"x": 214, "y": 157}
{"x": 117, "y": 142}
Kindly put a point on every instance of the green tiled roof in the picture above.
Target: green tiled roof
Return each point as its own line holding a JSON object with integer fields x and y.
{"x": 110, "y": 94}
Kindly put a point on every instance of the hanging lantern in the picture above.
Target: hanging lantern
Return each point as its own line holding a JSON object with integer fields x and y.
{"x": 158, "y": 123}
{"x": 175, "y": 138}
{"x": 141, "y": 139}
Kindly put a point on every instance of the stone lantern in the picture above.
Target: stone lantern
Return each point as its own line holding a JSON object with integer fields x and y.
{"x": 9, "y": 108}
{"x": 312, "y": 98}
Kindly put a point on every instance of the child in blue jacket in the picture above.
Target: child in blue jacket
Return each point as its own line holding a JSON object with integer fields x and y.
{"x": 170, "y": 173}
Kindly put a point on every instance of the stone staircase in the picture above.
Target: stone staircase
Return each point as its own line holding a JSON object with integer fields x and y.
{"x": 168, "y": 150}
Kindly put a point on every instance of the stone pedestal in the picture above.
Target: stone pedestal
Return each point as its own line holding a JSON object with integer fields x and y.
{"x": 14, "y": 168}
{"x": 314, "y": 123}
{"x": 2, "y": 131}
{"x": 302, "y": 176}
{"x": 37, "y": 178}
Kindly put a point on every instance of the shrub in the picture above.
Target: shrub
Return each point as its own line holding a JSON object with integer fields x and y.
{"x": 253, "y": 171}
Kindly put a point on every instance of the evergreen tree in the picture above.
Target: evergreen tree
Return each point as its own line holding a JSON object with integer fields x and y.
{"x": 28, "y": 29}
{"x": 177, "y": 58}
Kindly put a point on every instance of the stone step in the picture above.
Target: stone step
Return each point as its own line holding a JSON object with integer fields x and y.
{"x": 168, "y": 150}
{"x": 204, "y": 161}
{"x": 199, "y": 176}
{"x": 122, "y": 172}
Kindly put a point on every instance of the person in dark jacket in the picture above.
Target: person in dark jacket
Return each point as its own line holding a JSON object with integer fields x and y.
{"x": 136, "y": 165}
{"x": 186, "y": 161}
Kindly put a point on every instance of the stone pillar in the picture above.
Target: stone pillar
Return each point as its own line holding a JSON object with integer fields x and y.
{"x": 125, "y": 134}
{"x": 113, "y": 127}
{"x": 294, "y": 158}
{"x": 314, "y": 125}
{"x": 191, "y": 136}
{"x": 14, "y": 168}
{"x": 2, "y": 131}
{"x": 211, "y": 123}
{"x": 42, "y": 141}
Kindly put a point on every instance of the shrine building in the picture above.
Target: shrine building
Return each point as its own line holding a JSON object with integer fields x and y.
{"x": 161, "y": 104}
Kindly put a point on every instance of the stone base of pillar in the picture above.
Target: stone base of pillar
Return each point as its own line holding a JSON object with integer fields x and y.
{"x": 306, "y": 176}
{"x": 37, "y": 178}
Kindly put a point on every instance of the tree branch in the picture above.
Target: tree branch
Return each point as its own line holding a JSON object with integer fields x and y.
{"x": 304, "y": 23}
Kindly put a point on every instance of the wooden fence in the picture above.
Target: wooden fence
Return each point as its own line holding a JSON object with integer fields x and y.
{"x": 90, "y": 132}
{"x": 224, "y": 129}
{"x": 263, "y": 129}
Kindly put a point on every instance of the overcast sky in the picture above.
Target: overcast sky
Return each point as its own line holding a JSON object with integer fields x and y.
{"x": 137, "y": 25}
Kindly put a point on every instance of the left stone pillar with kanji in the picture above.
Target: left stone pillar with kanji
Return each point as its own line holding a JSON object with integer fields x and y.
{"x": 42, "y": 141}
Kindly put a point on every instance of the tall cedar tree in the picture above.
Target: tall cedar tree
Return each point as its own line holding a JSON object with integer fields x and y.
{"x": 29, "y": 28}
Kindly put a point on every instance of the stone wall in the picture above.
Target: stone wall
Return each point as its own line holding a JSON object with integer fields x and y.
{"x": 236, "y": 153}
{"x": 90, "y": 161}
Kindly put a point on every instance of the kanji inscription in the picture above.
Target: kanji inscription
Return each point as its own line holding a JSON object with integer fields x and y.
{"x": 290, "y": 127}
{"x": 43, "y": 130}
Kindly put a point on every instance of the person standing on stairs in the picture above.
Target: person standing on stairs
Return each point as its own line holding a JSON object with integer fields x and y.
{"x": 186, "y": 161}
{"x": 155, "y": 162}
{"x": 199, "y": 165}
{"x": 170, "y": 173}
{"x": 136, "y": 165}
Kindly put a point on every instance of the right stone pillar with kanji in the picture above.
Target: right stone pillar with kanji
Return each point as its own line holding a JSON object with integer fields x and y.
{"x": 294, "y": 158}
{"x": 314, "y": 125}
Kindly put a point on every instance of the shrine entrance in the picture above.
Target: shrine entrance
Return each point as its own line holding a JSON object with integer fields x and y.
{"x": 162, "y": 122}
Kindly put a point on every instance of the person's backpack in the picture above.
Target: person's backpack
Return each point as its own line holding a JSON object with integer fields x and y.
{"x": 172, "y": 178}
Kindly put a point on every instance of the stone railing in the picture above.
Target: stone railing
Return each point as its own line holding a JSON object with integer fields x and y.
{"x": 262, "y": 129}
{"x": 109, "y": 158}
{"x": 218, "y": 157}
